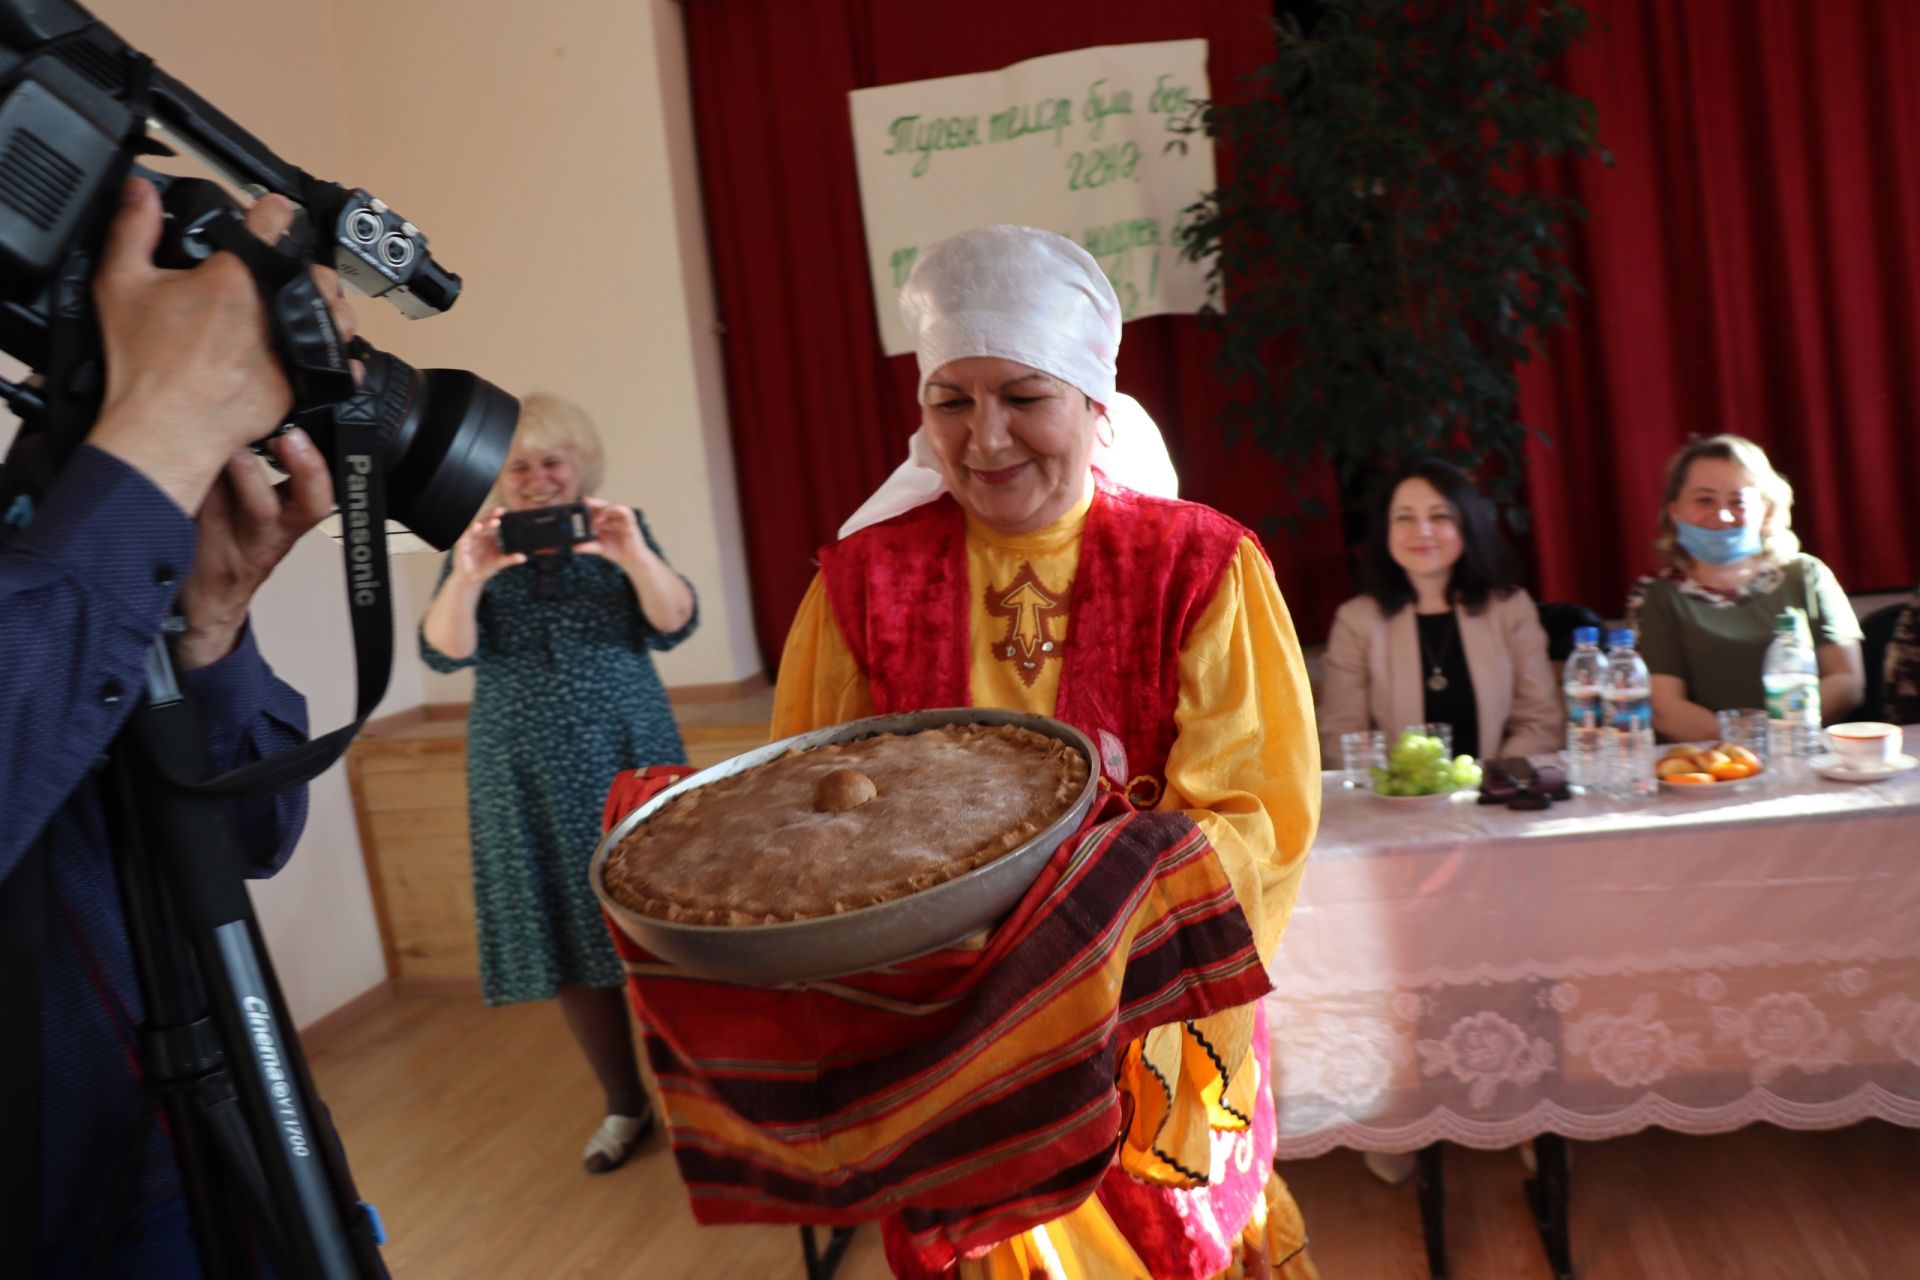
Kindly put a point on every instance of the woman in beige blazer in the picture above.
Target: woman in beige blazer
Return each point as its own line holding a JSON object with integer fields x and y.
{"x": 1444, "y": 633}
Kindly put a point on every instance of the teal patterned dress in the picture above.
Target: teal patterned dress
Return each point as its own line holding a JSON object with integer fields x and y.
{"x": 565, "y": 696}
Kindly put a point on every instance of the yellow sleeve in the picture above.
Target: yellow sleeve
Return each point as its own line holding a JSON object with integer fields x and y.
{"x": 820, "y": 683}
{"x": 1246, "y": 762}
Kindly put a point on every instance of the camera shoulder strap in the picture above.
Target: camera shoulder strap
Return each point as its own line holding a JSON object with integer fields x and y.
{"x": 317, "y": 364}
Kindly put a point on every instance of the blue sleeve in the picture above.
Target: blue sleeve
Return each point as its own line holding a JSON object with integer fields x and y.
{"x": 249, "y": 714}
{"x": 83, "y": 591}
{"x": 664, "y": 640}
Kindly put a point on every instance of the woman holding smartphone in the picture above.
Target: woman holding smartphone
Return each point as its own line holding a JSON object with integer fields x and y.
{"x": 565, "y": 696}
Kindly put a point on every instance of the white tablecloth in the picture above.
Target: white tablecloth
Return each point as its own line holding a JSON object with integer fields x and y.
{"x": 1696, "y": 961}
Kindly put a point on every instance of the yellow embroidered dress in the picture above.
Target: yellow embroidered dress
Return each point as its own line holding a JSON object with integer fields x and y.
{"x": 1243, "y": 764}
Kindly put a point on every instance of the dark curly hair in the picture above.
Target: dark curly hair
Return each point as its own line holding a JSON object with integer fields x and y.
{"x": 1485, "y": 567}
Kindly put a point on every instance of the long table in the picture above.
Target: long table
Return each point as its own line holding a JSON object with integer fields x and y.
{"x": 1692, "y": 961}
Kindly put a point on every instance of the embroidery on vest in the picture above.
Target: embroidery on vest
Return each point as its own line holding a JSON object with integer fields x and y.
{"x": 1113, "y": 755}
{"x": 1029, "y": 609}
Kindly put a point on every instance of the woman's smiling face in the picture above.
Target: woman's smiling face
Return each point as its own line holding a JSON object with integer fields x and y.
{"x": 539, "y": 476}
{"x": 1015, "y": 445}
{"x": 1423, "y": 530}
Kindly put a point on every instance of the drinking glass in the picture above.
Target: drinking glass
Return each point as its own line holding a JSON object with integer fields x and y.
{"x": 1747, "y": 728}
{"x": 1360, "y": 751}
{"x": 1444, "y": 732}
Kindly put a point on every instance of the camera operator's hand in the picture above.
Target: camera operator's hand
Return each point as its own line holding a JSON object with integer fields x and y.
{"x": 477, "y": 555}
{"x": 191, "y": 371}
{"x": 247, "y": 525}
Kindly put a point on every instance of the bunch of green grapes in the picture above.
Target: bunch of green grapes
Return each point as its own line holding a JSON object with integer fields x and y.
{"x": 1417, "y": 765}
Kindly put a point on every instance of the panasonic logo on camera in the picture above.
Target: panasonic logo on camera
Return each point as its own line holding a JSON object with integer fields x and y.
{"x": 363, "y": 569}
{"x": 259, "y": 1017}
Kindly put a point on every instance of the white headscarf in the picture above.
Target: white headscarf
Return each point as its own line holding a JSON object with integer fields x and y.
{"x": 1021, "y": 294}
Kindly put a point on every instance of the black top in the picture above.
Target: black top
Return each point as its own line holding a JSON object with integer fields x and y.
{"x": 1440, "y": 646}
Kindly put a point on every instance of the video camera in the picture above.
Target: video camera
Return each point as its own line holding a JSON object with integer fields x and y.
{"x": 77, "y": 106}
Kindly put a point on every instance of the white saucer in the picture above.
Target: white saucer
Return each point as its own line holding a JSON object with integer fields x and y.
{"x": 1833, "y": 767}
{"x": 1712, "y": 788}
{"x": 1438, "y": 797}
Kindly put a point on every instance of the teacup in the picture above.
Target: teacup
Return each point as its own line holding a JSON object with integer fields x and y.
{"x": 1866, "y": 744}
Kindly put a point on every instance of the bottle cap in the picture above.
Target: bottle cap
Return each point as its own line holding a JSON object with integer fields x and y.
{"x": 1620, "y": 639}
{"x": 1586, "y": 635}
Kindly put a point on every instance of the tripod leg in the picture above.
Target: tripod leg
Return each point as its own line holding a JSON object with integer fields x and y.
{"x": 126, "y": 1184}
{"x": 274, "y": 1135}
{"x": 181, "y": 1058}
{"x": 364, "y": 1232}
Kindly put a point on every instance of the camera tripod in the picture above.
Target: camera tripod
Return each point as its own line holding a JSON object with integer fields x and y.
{"x": 262, "y": 1172}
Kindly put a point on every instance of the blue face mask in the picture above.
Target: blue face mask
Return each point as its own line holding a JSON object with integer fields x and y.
{"x": 1718, "y": 546}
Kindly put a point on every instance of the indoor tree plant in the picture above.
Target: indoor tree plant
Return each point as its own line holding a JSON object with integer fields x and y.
{"x": 1384, "y": 264}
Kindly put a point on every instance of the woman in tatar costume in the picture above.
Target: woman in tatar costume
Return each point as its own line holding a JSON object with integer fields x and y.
{"x": 1031, "y": 555}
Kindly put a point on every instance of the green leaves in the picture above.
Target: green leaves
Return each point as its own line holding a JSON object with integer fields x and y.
{"x": 1382, "y": 266}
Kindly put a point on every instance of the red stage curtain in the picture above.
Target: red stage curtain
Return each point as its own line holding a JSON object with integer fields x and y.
{"x": 1753, "y": 265}
{"x": 1752, "y": 261}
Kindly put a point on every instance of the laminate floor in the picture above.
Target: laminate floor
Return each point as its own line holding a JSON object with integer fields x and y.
{"x": 464, "y": 1126}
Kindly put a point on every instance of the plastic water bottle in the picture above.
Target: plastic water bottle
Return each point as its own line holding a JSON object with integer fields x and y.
{"x": 1791, "y": 675}
{"x": 1626, "y": 700}
{"x": 1586, "y": 674}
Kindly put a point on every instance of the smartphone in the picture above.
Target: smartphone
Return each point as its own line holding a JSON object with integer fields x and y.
{"x": 545, "y": 528}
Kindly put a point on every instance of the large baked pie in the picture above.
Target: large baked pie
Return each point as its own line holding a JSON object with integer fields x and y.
{"x": 843, "y": 826}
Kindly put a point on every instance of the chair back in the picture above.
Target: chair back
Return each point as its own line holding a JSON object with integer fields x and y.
{"x": 1560, "y": 621}
{"x": 1877, "y": 631}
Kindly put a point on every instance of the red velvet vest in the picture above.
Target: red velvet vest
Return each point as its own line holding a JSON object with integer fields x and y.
{"x": 1148, "y": 569}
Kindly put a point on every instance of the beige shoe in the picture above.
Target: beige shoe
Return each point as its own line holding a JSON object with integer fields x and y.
{"x": 1391, "y": 1167}
{"x": 1531, "y": 1161}
{"x": 614, "y": 1141}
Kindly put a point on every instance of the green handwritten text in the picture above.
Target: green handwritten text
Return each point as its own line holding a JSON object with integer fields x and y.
{"x": 1167, "y": 99}
{"x": 1049, "y": 115}
{"x": 1118, "y": 162}
{"x": 1099, "y": 106}
{"x": 1118, "y": 237}
{"x": 902, "y": 261}
{"x": 926, "y": 136}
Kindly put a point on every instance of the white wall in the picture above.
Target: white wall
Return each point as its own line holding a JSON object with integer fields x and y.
{"x": 547, "y": 151}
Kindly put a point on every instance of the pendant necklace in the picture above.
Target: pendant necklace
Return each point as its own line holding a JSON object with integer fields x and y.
{"x": 1436, "y": 679}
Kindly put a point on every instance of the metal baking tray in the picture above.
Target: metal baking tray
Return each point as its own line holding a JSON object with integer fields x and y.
{"x": 868, "y": 937}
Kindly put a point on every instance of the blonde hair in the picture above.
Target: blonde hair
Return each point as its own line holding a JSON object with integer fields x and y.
{"x": 1778, "y": 542}
{"x": 548, "y": 421}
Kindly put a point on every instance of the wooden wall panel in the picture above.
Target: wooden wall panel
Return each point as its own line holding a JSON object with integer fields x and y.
{"x": 410, "y": 797}
{"x": 409, "y": 782}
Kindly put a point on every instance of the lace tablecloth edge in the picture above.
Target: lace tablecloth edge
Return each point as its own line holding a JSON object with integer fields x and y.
{"x": 1868, "y": 1102}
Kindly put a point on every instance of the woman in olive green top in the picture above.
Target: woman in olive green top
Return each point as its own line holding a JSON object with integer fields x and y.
{"x": 1731, "y": 564}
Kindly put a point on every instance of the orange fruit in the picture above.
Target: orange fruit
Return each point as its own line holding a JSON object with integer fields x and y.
{"x": 1745, "y": 757}
{"x": 1730, "y": 771}
{"x": 1690, "y": 779}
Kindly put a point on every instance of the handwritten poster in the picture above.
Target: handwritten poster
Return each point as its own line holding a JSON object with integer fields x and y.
{"x": 1073, "y": 142}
